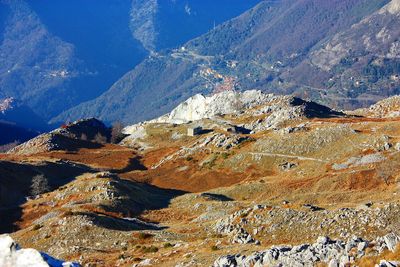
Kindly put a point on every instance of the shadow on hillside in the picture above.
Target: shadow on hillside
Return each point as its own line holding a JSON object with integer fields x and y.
{"x": 120, "y": 224}
{"x": 134, "y": 164}
{"x": 73, "y": 145}
{"x": 215, "y": 197}
{"x": 16, "y": 182}
{"x": 135, "y": 199}
{"x": 9, "y": 216}
{"x": 315, "y": 110}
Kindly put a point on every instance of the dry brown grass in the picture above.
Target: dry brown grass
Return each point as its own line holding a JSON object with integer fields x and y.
{"x": 386, "y": 255}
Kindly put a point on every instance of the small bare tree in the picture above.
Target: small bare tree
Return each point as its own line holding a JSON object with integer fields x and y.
{"x": 40, "y": 185}
{"x": 116, "y": 132}
{"x": 99, "y": 138}
{"x": 84, "y": 137}
{"x": 387, "y": 171}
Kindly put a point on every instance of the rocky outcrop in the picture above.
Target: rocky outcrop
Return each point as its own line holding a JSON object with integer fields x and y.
{"x": 251, "y": 102}
{"x": 237, "y": 233}
{"x": 69, "y": 137}
{"x": 332, "y": 252}
{"x": 386, "y": 108}
{"x": 272, "y": 111}
{"x": 228, "y": 102}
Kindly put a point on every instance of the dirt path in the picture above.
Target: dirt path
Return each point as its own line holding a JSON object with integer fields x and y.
{"x": 285, "y": 156}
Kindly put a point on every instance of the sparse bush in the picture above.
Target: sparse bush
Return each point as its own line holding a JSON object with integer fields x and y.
{"x": 40, "y": 185}
{"x": 151, "y": 249}
{"x": 225, "y": 155}
{"x": 217, "y": 235}
{"x": 143, "y": 236}
{"x": 36, "y": 227}
{"x": 387, "y": 170}
{"x": 168, "y": 245}
{"x": 68, "y": 213}
{"x": 189, "y": 158}
{"x": 214, "y": 248}
{"x": 99, "y": 138}
{"x": 211, "y": 162}
{"x": 84, "y": 137}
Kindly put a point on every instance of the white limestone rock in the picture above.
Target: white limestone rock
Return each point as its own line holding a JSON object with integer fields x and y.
{"x": 10, "y": 256}
{"x": 201, "y": 107}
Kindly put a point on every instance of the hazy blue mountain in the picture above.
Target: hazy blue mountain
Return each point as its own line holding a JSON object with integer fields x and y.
{"x": 277, "y": 46}
{"x": 18, "y": 122}
{"x": 13, "y": 133}
{"x": 167, "y": 23}
{"x": 56, "y": 54}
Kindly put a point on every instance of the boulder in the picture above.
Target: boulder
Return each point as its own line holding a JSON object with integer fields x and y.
{"x": 11, "y": 255}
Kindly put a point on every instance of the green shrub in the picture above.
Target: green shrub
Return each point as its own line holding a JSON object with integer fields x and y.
{"x": 144, "y": 236}
{"x": 225, "y": 155}
{"x": 168, "y": 245}
{"x": 36, "y": 227}
{"x": 214, "y": 248}
{"x": 151, "y": 249}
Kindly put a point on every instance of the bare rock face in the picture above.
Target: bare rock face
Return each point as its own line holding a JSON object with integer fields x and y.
{"x": 393, "y": 7}
{"x": 276, "y": 109}
{"x": 228, "y": 102}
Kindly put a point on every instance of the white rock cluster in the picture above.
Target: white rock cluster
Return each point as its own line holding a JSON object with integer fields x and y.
{"x": 10, "y": 256}
{"x": 201, "y": 107}
{"x": 335, "y": 253}
{"x": 13, "y": 256}
{"x": 6, "y": 104}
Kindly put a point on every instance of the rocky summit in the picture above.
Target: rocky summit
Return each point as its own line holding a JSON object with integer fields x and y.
{"x": 229, "y": 179}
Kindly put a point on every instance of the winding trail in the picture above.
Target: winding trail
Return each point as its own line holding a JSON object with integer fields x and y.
{"x": 285, "y": 156}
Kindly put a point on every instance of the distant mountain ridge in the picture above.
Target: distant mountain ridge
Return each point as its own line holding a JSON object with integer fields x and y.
{"x": 275, "y": 47}
{"x": 56, "y": 54}
{"x": 18, "y": 122}
{"x": 14, "y": 111}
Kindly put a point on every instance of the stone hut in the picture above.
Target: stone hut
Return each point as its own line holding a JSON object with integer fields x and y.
{"x": 192, "y": 131}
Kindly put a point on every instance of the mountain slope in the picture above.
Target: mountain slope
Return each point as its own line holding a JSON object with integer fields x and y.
{"x": 263, "y": 48}
{"x": 165, "y": 24}
{"x": 362, "y": 64}
{"x": 167, "y": 197}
